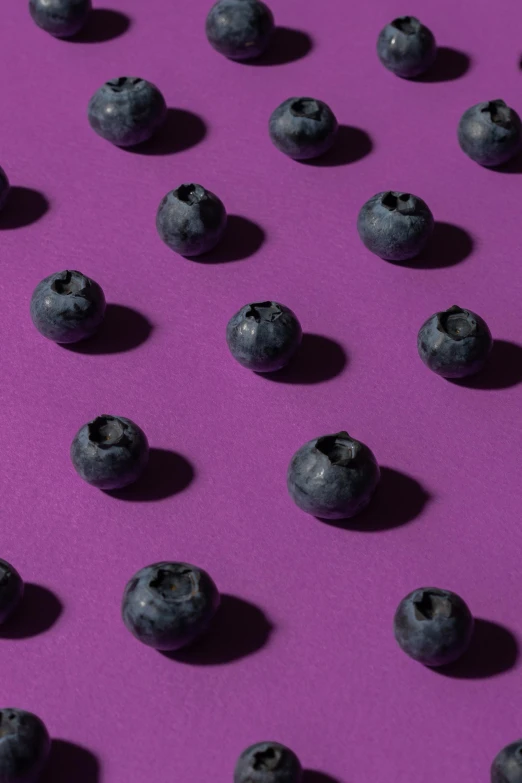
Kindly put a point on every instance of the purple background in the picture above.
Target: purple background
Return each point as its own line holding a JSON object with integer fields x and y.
{"x": 320, "y": 671}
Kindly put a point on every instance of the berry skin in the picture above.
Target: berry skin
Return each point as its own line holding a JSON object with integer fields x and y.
{"x": 4, "y": 188}
{"x": 127, "y": 111}
{"x": 406, "y": 47}
{"x": 61, "y": 18}
{"x": 333, "y": 477}
{"x": 395, "y": 226}
{"x": 303, "y": 128}
{"x": 239, "y": 29}
{"x": 490, "y": 133}
{"x": 24, "y": 746}
{"x": 268, "y": 762}
{"x": 67, "y": 307}
{"x": 433, "y": 626}
{"x": 168, "y": 605}
{"x": 191, "y": 220}
{"x": 264, "y": 336}
{"x": 110, "y": 452}
{"x": 11, "y": 590}
{"x": 507, "y": 765}
{"x": 454, "y": 343}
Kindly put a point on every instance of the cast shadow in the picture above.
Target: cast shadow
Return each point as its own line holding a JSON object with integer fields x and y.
{"x": 238, "y": 630}
{"x": 449, "y": 245}
{"x": 450, "y": 64}
{"x": 38, "y": 611}
{"x": 287, "y": 46}
{"x": 166, "y": 474}
{"x": 398, "y": 500}
{"x": 318, "y": 359}
{"x": 181, "y": 130}
{"x": 103, "y": 24}
{"x": 493, "y": 650}
{"x": 122, "y": 329}
{"x": 242, "y": 239}
{"x": 350, "y": 145}
{"x": 69, "y": 762}
{"x": 313, "y": 776}
{"x": 23, "y": 207}
{"x": 502, "y": 371}
{"x": 513, "y": 166}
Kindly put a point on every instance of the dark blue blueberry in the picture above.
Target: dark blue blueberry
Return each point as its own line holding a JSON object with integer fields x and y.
{"x": 67, "y": 307}
{"x": 490, "y": 133}
{"x": 61, "y": 18}
{"x": 433, "y": 626}
{"x": 240, "y": 29}
{"x": 264, "y": 336}
{"x": 191, "y": 220}
{"x": 268, "y": 762}
{"x": 454, "y": 343}
{"x": 303, "y": 128}
{"x": 333, "y": 477}
{"x": 406, "y": 47}
{"x": 110, "y": 452}
{"x": 4, "y": 187}
{"x": 11, "y": 590}
{"x": 507, "y": 765}
{"x": 394, "y": 225}
{"x": 24, "y": 746}
{"x": 127, "y": 111}
{"x": 168, "y": 605}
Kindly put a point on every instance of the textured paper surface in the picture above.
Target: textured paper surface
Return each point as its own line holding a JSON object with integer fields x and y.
{"x": 328, "y": 679}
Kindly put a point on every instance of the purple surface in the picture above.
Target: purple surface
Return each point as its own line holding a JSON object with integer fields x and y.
{"x": 328, "y": 679}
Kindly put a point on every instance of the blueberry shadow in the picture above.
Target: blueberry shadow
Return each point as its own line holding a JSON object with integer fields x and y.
{"x": 103, "y": 24}
{"x": 287, "y": 46}
{"x": 38, "y": 612}
{"x": 239, "y": 629}
{"x": 69, "y": 762}
{"x": 318, "y": 359}
{"x": 313, "y": 776}
{"x": 502, "y": 371}
{"x": 24, "y": 206}
{"x": 181, "y": 130}
{"x": 123, "y": 329}
{"x": 449, "y": 245}
{"x": 398, "y": 500}
{"x": 243, "y": 238}
{"x": 351, "y": 144}
{"x": 513, "y": 166}
{"x": 167, "y": 474}
{"x": 450, "y": 64}
{"x": 493, "y": 650}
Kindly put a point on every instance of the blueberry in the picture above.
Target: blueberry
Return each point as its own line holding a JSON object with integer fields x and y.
{"x": 406, "y": 47}
{"x": 11, "y": 590}
{"x": 507, "y": 765}
{"x": 67, "y": 307}
{"x": 394, "y": 225}
{"x": 433, "y": 626}
{"x": 454, "y": 343}
{"x": 264, "y": 336}
{"x": 4, "y": 187}
{"x": 191, "y": 220}
{"x": 490, "y": 133}
{"x": 168, "y": 605}
{"x": 333, "y": 477}
{"x": 61, "y": 18}
{"x": 303, "y": 128}
{"x": 240, "y": 29}
{"x": 110, "y": 452}
{"x": 127, "y": 111}
{"x": 268, "y": 762}
{"x": 24, "y": 746}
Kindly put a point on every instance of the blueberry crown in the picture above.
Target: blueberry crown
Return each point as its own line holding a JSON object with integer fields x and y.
{"x": 340, "y": 449}
{"x": 409, "y": 25}
{"x": 499, "y": 112}
{"x": 264, "y": 311}
{"x": 457, "y": 323}
{"x": 431, "y": 604}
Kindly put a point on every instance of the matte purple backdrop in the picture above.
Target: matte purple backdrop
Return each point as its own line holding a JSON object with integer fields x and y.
{"x": 304, "y": 652}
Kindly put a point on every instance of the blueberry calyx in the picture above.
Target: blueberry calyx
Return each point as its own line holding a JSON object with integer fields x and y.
{"x": 499, "y": 112}
{"x": 118, "y": 85}
{"x": 107, "y": 431}
{"x": 431, "y": 604}
{"x": 190, "y": 194}
{"x": 264, "y": 311}
{"x": 394, "y": 201}
{"x": 456, "y": 323}
{"x": 68, "y": 283}
{"x": 306, "y": 107}
{"x": 339, "y": 448}
{"x": 409, "y": 25}
{"x": 174, "y": 586}
{"x": 267, "y": 760}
